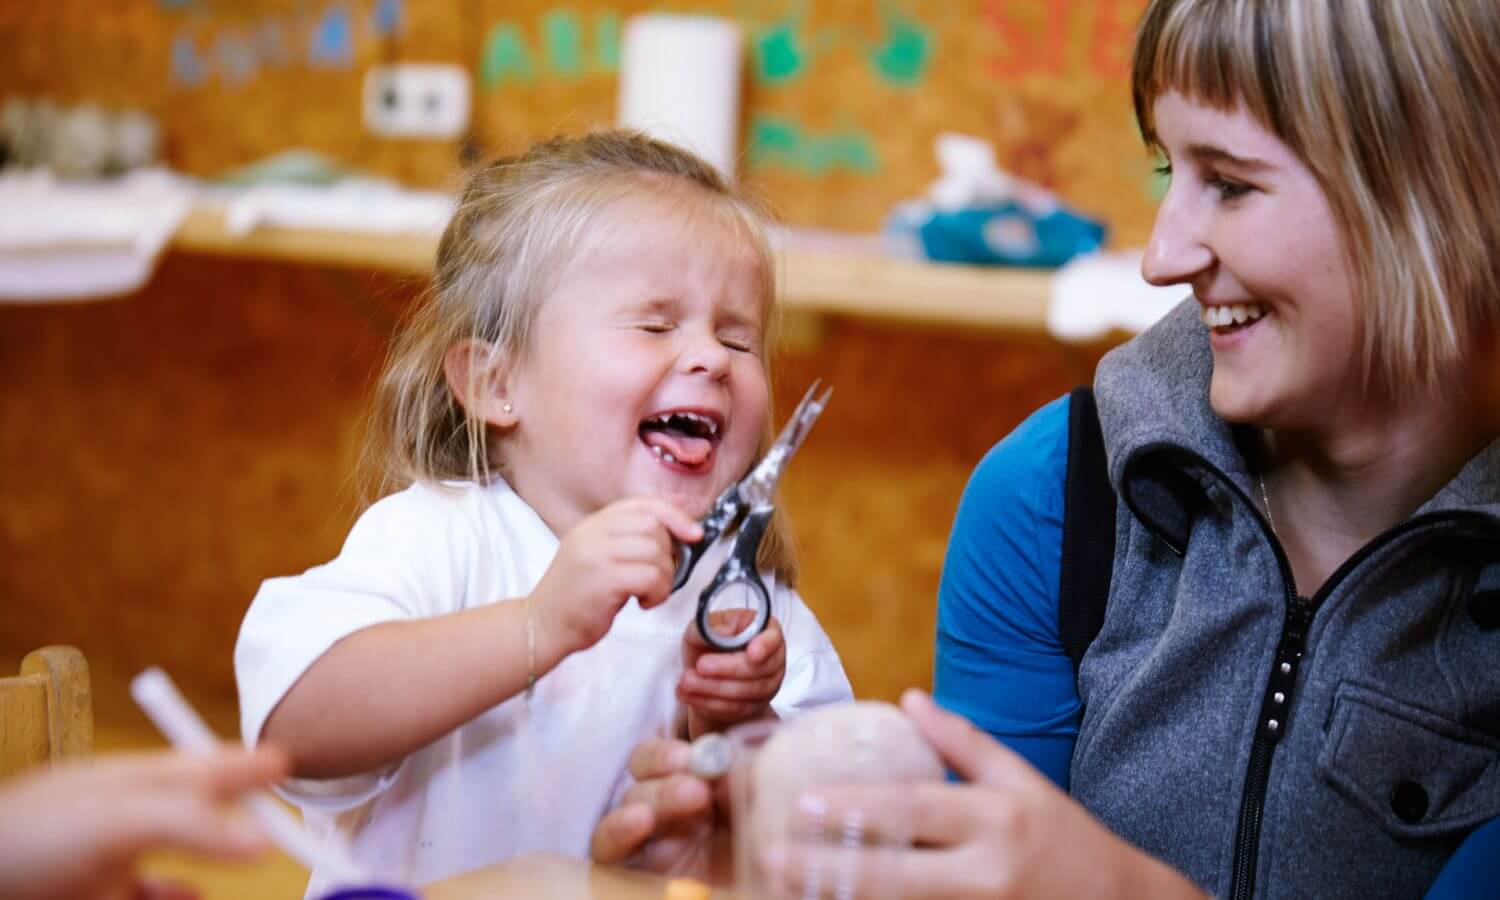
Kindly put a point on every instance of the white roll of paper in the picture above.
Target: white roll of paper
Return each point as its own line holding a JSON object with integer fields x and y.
{"x": 680, "y": 82}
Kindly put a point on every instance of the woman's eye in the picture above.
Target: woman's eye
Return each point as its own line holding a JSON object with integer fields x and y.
{"x": 656, "y": 327}
{"x": 1228, "y": 190}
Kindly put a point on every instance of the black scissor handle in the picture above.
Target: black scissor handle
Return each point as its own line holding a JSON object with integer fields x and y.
{"x": 725, "y": 510}
{"x": 739, "y": 570}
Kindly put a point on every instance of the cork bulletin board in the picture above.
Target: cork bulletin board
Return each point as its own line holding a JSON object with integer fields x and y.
{"x": 162, "y": 454}
{"x": 842, "y": 97}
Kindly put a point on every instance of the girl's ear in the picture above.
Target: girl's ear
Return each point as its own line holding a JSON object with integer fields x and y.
{"x": 478, "y": 376}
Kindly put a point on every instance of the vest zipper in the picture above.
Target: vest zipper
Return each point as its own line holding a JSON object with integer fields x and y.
{"x": 1268, "y": 731}
{"x": 1277, "y": 702}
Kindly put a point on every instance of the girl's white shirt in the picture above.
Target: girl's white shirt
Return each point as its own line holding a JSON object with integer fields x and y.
{"x": 521, "y": 777}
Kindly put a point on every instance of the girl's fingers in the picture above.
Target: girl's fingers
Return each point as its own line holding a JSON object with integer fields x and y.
{"x": 762, "y": 689}
{"x": 723, "y": 710}
{"x": 767, "y": 644}
{"x": 738, "y": 666}
{"x": 647, "y": 582}
{"x": 679, "y": 524}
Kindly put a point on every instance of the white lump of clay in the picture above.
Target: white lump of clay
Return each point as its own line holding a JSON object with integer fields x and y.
{"x": 864, "y": 742}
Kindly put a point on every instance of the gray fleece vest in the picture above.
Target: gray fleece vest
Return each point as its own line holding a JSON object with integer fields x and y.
{"x": 1263, "y": 745}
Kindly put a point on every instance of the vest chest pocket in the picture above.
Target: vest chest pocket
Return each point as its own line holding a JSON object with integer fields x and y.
{"x": 1417, "y": 774}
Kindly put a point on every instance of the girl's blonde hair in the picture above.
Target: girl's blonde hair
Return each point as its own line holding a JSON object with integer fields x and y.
{"x": 1392, "y": 105}
{"x": 519, "y": 222}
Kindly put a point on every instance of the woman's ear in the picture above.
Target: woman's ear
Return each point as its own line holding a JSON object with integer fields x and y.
{"x": 478, "y": 376}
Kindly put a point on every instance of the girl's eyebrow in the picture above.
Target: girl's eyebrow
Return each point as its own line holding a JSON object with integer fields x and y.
{"x": 1215, "y": 153}
{"x": 651, "y": 305}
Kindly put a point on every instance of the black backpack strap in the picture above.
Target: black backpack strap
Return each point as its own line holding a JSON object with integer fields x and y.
{"x": 1088, "y": 546}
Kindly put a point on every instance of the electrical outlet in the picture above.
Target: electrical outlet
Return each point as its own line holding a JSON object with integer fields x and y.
{"x": 417, "y": 100}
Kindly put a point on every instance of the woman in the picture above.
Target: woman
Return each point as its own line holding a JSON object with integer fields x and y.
{"x": 1294, "y": 690}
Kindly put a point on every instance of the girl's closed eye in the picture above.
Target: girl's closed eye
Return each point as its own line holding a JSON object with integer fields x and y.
{"x": 656, "y": 326}
{"x": 743, "y": 343}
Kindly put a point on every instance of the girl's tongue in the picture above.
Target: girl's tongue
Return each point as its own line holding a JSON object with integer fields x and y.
{"x": 683, "y": 447}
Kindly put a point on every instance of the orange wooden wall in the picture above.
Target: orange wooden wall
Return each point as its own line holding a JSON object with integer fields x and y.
{"x": 163, "y": 453}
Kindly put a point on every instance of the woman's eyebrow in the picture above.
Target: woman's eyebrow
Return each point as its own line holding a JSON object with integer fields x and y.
{"x": 1215, "y": 153}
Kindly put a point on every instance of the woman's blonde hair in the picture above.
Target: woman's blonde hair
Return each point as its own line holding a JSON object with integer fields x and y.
{"x": 1394, "y": 106}
{"x": 519, "y": 222}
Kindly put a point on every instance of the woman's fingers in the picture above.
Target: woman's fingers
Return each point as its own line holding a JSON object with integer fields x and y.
{"x": 234, "y": 772}
{"x": 868, "y": 872}
{"x": 928, "y": 813}
{"x": 658, "y": 757}
{"x": 621, "y": 833}
{"x": 673, "y": 798}
{"x": 974, "y": 755}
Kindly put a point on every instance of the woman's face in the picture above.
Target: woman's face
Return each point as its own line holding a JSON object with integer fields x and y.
{"x": 1247, "y": 227}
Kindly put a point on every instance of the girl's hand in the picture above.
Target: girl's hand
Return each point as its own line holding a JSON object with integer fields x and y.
{"x": 75, "y": 832}
{"x": 721, "y": 689}
{"x": 670, "y": 822}
{"x": 621, "y": 551}
{"x": 1008, "y": 833}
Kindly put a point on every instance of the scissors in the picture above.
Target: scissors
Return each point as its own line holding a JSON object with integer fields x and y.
{"x": 751, "y": 498}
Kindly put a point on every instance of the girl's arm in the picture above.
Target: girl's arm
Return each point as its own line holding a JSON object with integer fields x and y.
{"x": 390, "y": 689}
{"x": 400, "y": 682}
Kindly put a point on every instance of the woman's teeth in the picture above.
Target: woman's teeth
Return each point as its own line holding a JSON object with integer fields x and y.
{"x": 664, "y": 454}
{"x": 1228, "y": 315}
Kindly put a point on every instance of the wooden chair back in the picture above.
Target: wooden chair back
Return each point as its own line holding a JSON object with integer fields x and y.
{"x": 47, "y": 711}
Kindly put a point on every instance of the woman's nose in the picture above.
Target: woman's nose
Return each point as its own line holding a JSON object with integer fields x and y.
{"x": 1178, "y": 250}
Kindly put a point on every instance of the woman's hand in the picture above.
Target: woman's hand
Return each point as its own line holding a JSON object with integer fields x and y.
{"x": 1008, "y": 833}
{"x": 624, "y": 550}
{"x": 75, "y": 833}
{"x": 722, "y": 689}
{"x": 670, "y": 822}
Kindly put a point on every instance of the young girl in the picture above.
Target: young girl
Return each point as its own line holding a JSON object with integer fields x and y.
{"x": 465, "y": 682}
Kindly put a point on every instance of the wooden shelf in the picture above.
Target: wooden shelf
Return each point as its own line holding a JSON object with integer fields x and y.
{"x": 970, "y": 297}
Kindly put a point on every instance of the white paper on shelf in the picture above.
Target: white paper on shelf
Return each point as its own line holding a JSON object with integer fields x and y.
{"x": 1097, "y": 293}
{"x": 77, "y": 240}
{"x": 680, "y": 82}
{"x": 354, "y": 204}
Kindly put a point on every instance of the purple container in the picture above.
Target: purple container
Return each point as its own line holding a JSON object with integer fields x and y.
{"x": 371, "y": 892}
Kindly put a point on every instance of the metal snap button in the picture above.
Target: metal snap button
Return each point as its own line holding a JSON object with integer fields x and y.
{"x": 1409, "y": 802}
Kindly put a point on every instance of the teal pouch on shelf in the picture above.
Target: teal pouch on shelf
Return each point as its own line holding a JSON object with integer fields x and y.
{"x": 1006, "y": 234}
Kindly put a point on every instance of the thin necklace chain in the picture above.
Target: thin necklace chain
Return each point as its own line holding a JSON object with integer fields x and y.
{"x": 1265, "y": 497}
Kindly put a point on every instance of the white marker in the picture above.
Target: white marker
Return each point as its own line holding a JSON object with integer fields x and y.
{"x": 155, "y": 693}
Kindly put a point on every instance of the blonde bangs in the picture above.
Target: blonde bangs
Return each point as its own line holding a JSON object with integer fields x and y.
{"x": 1214, "y": 53}
{"x": 1390, "y": 105}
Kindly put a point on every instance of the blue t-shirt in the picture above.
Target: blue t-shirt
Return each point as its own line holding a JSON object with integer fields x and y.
{"x": 1000, "y": 659}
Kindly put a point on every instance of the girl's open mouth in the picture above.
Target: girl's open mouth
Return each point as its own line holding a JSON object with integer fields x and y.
{"x": 683, "y": 439}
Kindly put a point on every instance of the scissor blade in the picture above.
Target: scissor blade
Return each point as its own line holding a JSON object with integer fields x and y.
{"x": 761, "y": 482}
